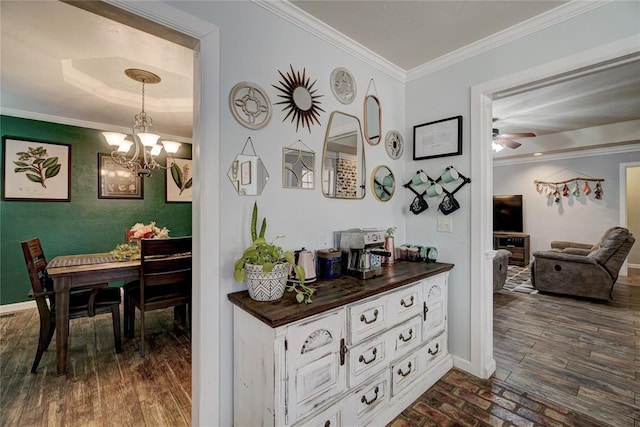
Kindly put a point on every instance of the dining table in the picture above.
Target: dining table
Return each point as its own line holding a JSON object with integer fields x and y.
{"x": 70, "y": 272}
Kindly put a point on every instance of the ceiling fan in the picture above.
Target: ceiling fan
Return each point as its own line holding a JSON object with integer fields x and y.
{"x": 507, "y": 139}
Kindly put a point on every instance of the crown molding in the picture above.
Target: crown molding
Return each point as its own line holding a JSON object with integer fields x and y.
{"x": 535, "y": 24}
{"x": 80, "y": 123}
{"x": 314, "y": 26}
{"x": 601, "y": 151}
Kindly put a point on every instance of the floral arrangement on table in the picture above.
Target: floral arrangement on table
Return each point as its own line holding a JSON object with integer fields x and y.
{"x": 139, "y": 231}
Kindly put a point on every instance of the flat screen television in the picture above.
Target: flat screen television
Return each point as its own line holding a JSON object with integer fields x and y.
{"x": 507, "y": 213}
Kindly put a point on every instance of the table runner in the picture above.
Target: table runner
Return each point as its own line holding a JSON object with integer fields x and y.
{"x": 74, "y": 260}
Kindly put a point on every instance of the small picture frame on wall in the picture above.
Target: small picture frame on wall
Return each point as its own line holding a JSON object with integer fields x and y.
{"x": 35, "y": 170}
{"x": 179, "y": 182}
{"x": 116, "y": 182}
{"x": 441, "y": 138}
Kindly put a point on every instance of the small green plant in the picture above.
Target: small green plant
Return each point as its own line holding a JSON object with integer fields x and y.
{"x": 37, "y": 165}
{"x": 390, "y": 231}
{"x": 268, "y": 255}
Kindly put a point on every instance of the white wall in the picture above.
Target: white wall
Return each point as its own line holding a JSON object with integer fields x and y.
{"x": 633, "y": 212}
{"x": 255, "y": 44}
{"x": 446, "y": 93}
{"x": 577, "y": 219}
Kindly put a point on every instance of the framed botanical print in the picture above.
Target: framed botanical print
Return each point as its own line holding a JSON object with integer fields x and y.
{"x": 35, "y": 170}
{"x": 116, "y": 182}
{"x": 179, "y": 182}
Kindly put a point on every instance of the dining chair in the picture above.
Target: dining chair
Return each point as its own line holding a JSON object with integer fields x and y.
{"x": 165, "y": 281}
{"x": 86, "y": 302}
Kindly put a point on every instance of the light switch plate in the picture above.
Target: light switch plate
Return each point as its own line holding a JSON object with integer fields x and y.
{"x": 445, "y": 225}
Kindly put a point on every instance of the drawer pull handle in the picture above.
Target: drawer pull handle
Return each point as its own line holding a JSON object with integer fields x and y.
{"x": 404, "y": 374}
{"x": 366, "y": 362}
{"x": 369, "y": 402}
{"x": 343, "y": 351}
{"x": 425, "y": 311}
{"x": 363, "y": 318}
{"x": 404, "y": 304}
{"x": 409, "y": 338}
{"x": 433, "y": 353}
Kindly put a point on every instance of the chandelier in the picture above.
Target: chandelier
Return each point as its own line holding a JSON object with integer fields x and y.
{"x": 145, "y": 144}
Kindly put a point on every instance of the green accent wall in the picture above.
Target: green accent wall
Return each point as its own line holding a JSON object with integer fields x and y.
{"x": 86, "y": 224}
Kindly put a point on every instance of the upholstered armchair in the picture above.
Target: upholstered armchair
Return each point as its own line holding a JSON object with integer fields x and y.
{"x": 581, "y": 269}
{"x": 500, "y": 267}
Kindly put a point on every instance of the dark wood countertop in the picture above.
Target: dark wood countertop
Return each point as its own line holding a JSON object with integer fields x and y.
{"x": 336, "y": 293}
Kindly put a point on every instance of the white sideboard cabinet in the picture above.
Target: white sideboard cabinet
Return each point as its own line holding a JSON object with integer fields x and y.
{"x": 361, "y": 353}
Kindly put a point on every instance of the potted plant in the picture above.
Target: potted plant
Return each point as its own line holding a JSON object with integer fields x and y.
{"x": 264, "y": 267}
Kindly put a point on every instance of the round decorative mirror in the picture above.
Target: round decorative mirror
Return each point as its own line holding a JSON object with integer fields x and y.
{"x": 299, "y": 99}
{"x": 383, "y": 183}
{"x": 372, "y": 119}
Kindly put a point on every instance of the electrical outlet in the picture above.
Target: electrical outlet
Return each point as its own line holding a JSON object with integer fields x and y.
{"x": 445, "y": 225}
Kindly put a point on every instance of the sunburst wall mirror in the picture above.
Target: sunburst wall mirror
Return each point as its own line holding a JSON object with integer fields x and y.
{"x": 299, "y": 98}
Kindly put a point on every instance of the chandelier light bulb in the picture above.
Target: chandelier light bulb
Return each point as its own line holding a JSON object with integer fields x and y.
{"x": 171, "y": 147}
{"x": 148, "y": 139}
{"x": 124, "y": 146}
{"x": 156, "y": 149}
{"x": 114, "y": 138}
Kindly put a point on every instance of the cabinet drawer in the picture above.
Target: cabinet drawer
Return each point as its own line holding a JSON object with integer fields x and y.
{"x": 331, "y": 417}
{"x": 368, "y": 357}
{"x": 368, "y": 318}
{"x": 404, "y": 372}
{"x": 406, "y": 337}
{"x": 369, "y": 399}
{"x": 406, "y": 303}
{"x": 432, "y": 351}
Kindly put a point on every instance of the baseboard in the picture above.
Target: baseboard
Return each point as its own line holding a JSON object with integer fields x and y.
{"x": 463, "y": 364}
{"x": 633, "y": 265}
{"x": 18, "y": 306}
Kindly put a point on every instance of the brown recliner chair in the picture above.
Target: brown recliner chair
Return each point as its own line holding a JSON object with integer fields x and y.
{"x": 500, "y": 268}
{"x": 581, "y": 269}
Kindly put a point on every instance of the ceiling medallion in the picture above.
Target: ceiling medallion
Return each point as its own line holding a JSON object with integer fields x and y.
{"x": 250, "y": 105}
{"x": 343, "y": 85}
{"x": 394, "y": 144}
{"x": 299, "y": 99}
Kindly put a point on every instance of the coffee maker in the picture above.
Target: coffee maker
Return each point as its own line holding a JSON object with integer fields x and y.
{"x": 362, "y": 251}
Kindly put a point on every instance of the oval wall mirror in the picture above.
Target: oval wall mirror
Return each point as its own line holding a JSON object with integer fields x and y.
{"x": 383, "y": 183}
{"x": 343, "y": 163}
{"x": 372, "y": 119}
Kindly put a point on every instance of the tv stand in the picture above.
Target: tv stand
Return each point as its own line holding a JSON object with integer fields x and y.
{"x": 516, "y": 243}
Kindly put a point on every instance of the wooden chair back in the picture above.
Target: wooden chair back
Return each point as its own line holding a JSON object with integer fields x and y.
{"x": 41, "y": 285}
{"x": 168, "y": 263}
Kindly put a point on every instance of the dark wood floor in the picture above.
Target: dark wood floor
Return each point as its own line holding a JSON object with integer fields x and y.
{"x": 561, "y": 361}
{"x": 102, "y": 388}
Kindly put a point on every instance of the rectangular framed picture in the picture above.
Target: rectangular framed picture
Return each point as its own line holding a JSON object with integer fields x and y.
{"x": 179, "y": 182}
{"x": 438, "y": 139}
{"x": 117, "y": 182}
{"x": 35, "y": 170}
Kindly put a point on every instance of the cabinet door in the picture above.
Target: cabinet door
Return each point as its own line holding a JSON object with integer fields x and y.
{"x": 434, "y": 306}
{"x": 315, "y": 363}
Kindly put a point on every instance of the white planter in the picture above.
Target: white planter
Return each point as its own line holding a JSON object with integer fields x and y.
{"x": 266, "y": 287}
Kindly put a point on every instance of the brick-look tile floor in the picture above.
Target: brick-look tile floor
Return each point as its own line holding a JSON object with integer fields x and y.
{"x": 460, "y": 399}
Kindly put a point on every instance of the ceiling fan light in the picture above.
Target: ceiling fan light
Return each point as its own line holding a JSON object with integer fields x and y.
{"x": 496, "y": 147}
{"x": 114, "y": 138}
{"x": 171, "y": 147}
{"x": 148, "y": 139}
